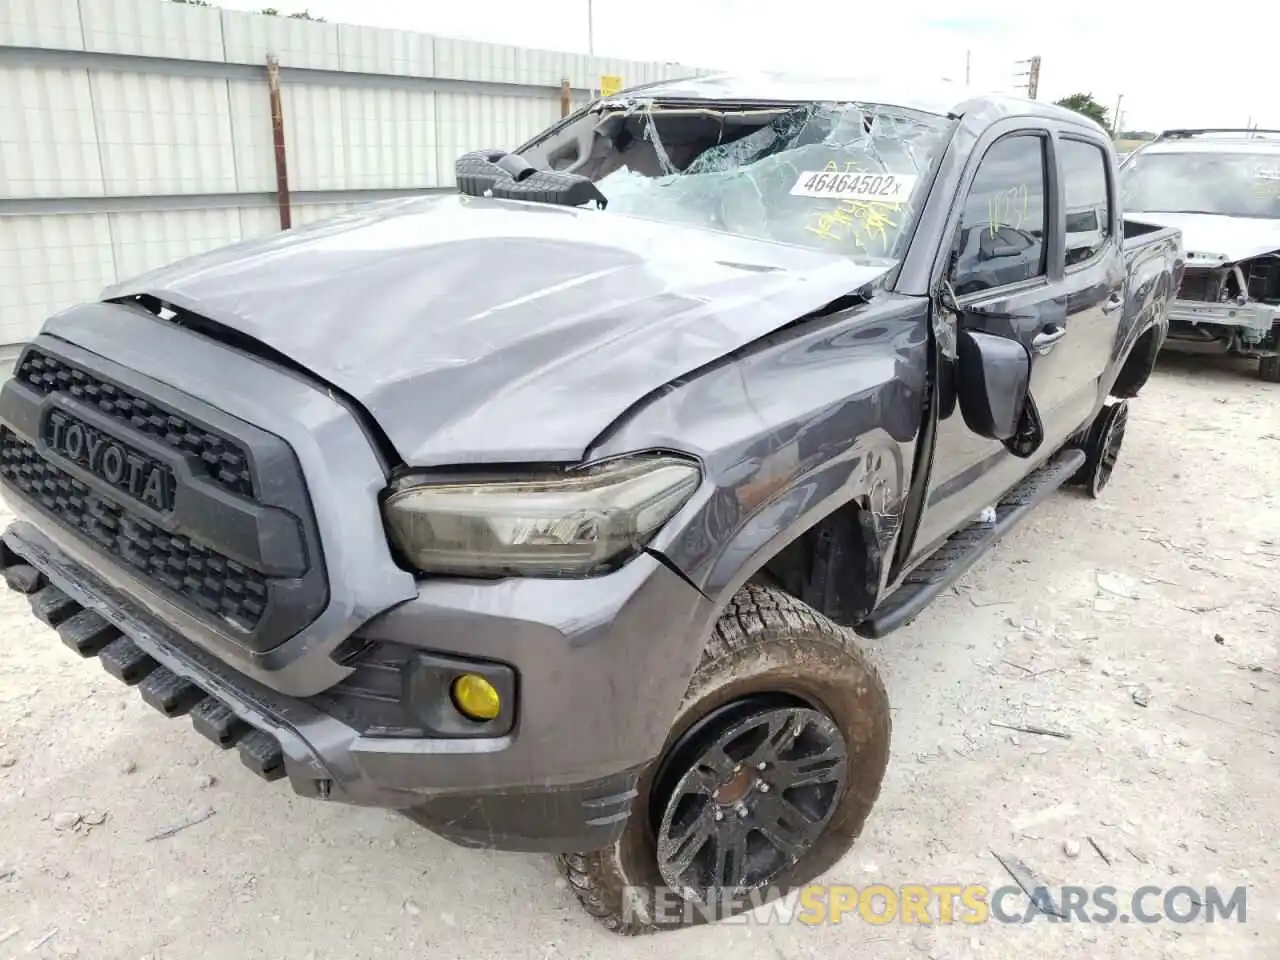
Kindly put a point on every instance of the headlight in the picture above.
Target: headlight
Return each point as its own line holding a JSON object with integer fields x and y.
{"x": 555, "y": 525}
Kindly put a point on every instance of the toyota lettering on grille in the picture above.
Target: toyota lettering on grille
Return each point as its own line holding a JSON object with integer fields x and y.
{"x": 110, "y": 460}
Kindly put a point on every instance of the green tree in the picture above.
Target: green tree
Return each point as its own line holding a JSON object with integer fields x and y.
{"x": 1083, "y": 103}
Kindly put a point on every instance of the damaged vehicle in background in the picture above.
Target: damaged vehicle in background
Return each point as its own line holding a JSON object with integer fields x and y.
{"x": 549, "y": 514}
{"x": 1221, "y": 188}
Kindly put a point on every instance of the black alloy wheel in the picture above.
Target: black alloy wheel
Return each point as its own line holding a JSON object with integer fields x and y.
{"x": 758, "y": 782}
{"x": 1109, "y": 440}
{"x": 766, "y": 777}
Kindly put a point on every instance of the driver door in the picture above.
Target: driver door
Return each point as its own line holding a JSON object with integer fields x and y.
{"x": 1008, "y": 283}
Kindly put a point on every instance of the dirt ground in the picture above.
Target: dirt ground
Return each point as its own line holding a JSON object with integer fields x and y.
{"x": 1145, "y": 626}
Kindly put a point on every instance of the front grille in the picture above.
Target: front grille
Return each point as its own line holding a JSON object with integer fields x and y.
{"x": 224, "y": 460}
{"x": 196, "y": 573}
{"x": 207, "y": 509}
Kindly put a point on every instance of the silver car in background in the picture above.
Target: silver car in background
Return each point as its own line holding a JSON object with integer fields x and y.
{"x": 1221, "y": 188}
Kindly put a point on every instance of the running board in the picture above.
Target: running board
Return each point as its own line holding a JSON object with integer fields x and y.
{"x": 962, "y": 549}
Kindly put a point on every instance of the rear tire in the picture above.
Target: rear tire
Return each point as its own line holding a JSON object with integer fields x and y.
{"x": 769, "y": 658}
{"x": 1269, "y": 369}
{"x": 1102, "y": 448}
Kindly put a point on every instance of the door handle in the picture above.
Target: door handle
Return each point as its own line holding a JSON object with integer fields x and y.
{"x": 1114, "y": 303}
{"x": 1046, "y": 339}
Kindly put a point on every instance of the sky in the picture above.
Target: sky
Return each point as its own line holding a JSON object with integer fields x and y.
{"x": 1174, "y": 66}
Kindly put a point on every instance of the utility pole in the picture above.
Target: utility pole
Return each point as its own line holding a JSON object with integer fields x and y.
{"x": 591, "y": 28}
{"x": 1032, "y": 75}
{"x": 968, "y": 60}
{"x": 1115, "y": 117}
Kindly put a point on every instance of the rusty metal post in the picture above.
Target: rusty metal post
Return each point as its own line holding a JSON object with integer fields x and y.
{"x": 566, "y": 98}
{"x": 277, "y": 130}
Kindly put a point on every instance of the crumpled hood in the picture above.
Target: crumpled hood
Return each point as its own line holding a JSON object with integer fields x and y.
{"x": 1210, "y": 236}
{"x": 479, "y": 330}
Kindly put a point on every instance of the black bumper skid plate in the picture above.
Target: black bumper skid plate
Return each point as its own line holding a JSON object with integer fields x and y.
{"x": 89, "y": 634}
{"x": 51, "y": 606}
{"x": 126, "y": 661}
{"x": 261, "y": 753}
{"x": 169, "y": 693}
{"x": 23, "y": 578}
{"x": 215, "y": 721}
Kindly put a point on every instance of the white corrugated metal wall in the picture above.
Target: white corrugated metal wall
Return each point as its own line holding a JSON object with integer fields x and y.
{"x": 135, "y": 132}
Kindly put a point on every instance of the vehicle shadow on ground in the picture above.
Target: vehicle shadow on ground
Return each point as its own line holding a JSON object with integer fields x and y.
{"x": 1210, "y": 366}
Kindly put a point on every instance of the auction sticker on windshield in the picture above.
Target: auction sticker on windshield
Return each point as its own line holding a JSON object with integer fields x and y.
{"x": 873, "y": 187}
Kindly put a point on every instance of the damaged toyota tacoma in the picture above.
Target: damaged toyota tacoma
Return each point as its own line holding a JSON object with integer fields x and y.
{"x": 1221, "y": 188}
{"x": 550, "y": 513}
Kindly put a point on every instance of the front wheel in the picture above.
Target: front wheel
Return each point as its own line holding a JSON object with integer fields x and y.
{"x": 1269, "y": 369}
{"x": 770, "y": 771}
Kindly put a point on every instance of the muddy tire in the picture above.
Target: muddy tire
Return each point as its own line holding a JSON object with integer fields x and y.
{"x": 1269, "y": 369}
{"x": 783, "y": 737}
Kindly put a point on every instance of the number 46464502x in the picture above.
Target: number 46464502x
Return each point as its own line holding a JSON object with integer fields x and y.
{"x": 874, "y": 187}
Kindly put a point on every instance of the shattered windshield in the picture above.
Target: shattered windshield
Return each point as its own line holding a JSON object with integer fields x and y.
{"x": 1228, "y": 184}
{"x": 840, "y": 177}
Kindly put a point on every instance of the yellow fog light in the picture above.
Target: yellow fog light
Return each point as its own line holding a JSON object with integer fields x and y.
{"x": 476, "y": 697}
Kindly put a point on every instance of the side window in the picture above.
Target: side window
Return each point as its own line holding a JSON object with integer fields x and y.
{"x": 1005, "y": 219}
{"x": 1084, "y": 176}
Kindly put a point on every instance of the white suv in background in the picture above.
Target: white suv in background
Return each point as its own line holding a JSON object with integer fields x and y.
{"x": 1221, "y": 188}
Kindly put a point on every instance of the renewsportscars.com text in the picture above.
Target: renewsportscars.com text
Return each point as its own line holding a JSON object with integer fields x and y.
{"x": 944, "y": 904}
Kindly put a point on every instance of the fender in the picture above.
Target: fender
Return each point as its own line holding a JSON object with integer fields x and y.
{"x": 1152, "y": 287}
{"x": 870, "y": 477}
{"x": 809, "y": 421}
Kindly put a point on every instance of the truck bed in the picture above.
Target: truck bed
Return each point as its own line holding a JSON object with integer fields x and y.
{"x": 1154, "y": 259}
{"x": 1139, "y": 232}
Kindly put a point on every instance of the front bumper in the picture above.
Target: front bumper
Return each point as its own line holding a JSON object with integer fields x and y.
{"x": 1231, "y": 316}
{"x": 598, "y": 666}
{"x": 593, "y": 704}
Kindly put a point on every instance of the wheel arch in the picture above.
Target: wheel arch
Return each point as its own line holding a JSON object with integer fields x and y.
{"x": 1138, "y": 363}
{"x": 824, "y": 537}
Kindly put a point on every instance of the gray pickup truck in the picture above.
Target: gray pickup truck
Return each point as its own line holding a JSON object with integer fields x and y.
{"x": 549, "y": 513}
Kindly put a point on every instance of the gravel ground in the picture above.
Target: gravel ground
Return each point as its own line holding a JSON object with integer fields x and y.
{"x": 1144, "y": 625}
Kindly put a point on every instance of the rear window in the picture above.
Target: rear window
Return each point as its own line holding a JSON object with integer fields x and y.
{"x": 1084, "y": 169}
{"x": 1227, "y": 184}
{"x": 839, "y": 177}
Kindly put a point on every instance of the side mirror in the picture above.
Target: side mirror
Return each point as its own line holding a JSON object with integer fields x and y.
{"x": 993, "y": 375}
